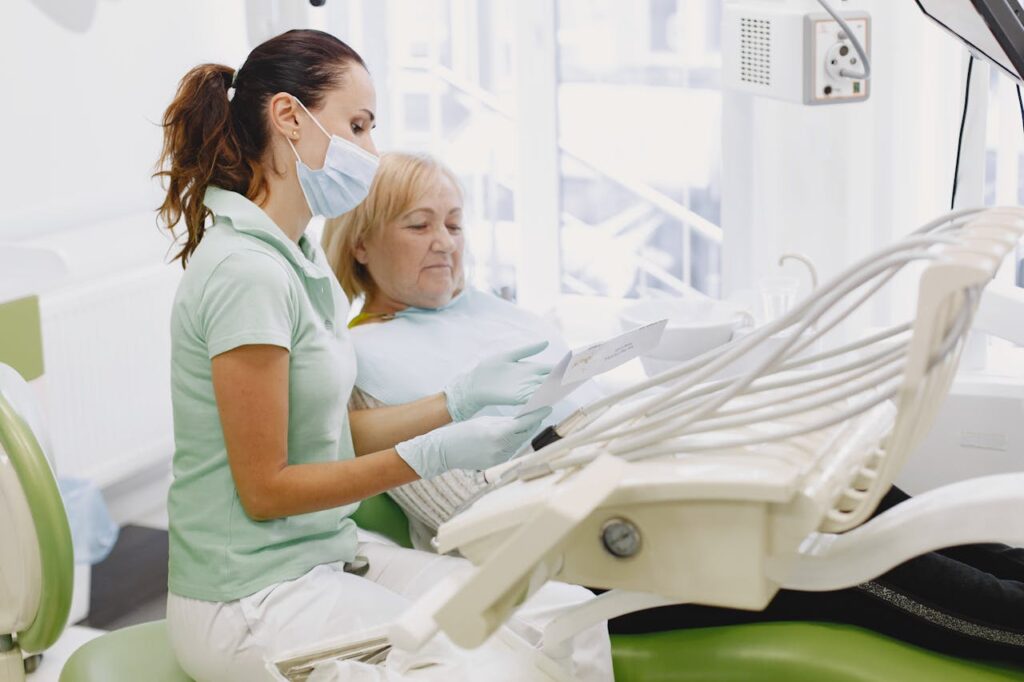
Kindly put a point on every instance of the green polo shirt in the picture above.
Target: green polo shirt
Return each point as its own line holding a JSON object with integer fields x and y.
{"x": 247, "y": 283}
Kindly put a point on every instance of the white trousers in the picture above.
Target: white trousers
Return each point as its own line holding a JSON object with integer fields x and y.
{"x": 232, "y": 641}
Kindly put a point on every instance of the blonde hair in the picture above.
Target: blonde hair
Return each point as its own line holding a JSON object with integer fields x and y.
{"x": 401, "y": 179}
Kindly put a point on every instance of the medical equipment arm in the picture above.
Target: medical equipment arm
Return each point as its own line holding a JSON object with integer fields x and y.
{"x": 480, "y": 604}
{"x": 730, "y": 481}
{"x": 992, "y": 30}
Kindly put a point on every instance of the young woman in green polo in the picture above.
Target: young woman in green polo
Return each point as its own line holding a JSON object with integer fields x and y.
{"x": 268, "y": 464}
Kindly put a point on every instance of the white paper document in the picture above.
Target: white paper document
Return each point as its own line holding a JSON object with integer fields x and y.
{"x": 587, "y": 362}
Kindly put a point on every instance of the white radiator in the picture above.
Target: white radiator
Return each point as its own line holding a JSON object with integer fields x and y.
{"x": 106, "y": 347}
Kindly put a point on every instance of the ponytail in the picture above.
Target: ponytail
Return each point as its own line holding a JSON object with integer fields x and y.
{"x": 200, "y": 148}
{"x": 213, "y": 139}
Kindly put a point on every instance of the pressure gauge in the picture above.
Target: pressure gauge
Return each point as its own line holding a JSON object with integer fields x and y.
{"x": 620, "y": 538}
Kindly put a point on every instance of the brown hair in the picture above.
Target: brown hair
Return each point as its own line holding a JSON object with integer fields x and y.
{"x": 401, "y": 179}
{"x": 213, "y": 139}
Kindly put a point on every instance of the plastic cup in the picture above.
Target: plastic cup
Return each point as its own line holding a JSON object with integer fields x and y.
{"x": 778, "y": 295}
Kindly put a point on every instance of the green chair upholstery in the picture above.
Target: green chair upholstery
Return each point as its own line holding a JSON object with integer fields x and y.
{"x": 140, "y": 652}
{"x": 21, "y": 344}
{"x": 794, "y": 652}
{"x": 381, "y": 514}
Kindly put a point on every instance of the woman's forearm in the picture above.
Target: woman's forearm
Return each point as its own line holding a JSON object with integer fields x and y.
{"x": 384, "y": 427}
{"x": 304, "y": 488}
{"x": 251, "y": 387}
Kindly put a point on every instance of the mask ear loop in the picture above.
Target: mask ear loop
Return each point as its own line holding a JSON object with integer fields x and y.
{"x": 349, "y": 143}
{"x": 322, "y": 129}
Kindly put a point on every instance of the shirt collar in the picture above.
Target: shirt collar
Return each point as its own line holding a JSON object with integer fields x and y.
{"x": 248, "y": 218}
{"x": 455, "y": 301}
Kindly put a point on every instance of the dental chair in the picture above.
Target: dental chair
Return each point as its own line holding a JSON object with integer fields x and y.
{"x": 35, "y": 549}
{"x": 36, "y": 561}
{"x": 691, "y": 487}
{"x": 694, "y": 488}
{"x": 36, "y": 558}
{"x": 792, "y": 651}
{"x": 37, "y": 568}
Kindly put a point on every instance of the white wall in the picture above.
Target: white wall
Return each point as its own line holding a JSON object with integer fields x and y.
{"x": 837, "y": 182}
{"x": 81, "y": 108}
{"x": 86, "y": 83}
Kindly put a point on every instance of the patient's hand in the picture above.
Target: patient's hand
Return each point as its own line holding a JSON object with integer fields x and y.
{"x": 502, "y": 379}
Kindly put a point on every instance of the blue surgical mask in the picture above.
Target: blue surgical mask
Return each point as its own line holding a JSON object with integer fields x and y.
{"x": 343, "y": 182}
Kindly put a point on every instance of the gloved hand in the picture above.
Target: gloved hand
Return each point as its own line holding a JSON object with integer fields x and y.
{"x": 475, "y": 444}
{"x": 501, "y": 379}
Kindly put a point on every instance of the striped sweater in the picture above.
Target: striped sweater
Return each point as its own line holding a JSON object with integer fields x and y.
{"x": 428, "y": 503}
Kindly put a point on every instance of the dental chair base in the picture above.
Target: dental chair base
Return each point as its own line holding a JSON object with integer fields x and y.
{"x": 12, "y": 666}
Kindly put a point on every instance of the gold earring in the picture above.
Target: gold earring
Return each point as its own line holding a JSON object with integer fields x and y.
{"x": 295, "y": 133}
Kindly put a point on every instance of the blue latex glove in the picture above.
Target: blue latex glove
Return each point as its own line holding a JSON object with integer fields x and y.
{"x": 475, "y": 444}
{"x": 501, "y": 379}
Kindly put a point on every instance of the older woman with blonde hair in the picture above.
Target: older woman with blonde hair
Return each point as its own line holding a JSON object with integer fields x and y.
{"x": 402, "y": 251}
{"x": 403, "y": 191}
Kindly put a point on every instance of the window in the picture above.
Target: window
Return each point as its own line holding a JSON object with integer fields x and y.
{"x": 637, "y": 148}
{"x": 639, "y": 120}
{"x": 451, "y": 86}
{"x": 1004, "y": 157}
